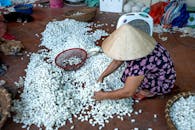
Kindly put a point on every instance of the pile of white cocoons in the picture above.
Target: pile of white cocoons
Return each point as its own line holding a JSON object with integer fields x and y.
{"x": 52, "y": 96}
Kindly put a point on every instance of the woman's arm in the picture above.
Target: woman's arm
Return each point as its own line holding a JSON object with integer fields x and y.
{"x": 111, "y": 68}
{"x": 131, "y": 84}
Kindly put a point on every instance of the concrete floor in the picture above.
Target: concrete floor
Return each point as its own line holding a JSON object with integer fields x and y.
{"x": 182, "y": 51}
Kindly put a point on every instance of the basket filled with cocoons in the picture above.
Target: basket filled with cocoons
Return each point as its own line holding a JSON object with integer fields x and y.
{"x": 84, "y": 14}
{"x": 132, "y": 6}
{"x": 180, "y": 111}
{"x": 71, "y": 59}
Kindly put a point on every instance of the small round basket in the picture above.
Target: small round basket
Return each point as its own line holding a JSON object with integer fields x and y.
{"x": 169, "y": 104}
{"x": 84, "y": 15}
{"x": 78, "y": 53}
{"x": 5, "y": 105}
{"x": 24, "y": 8}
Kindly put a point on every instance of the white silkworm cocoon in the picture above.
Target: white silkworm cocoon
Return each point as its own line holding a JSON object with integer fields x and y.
{"x": 77, "y": 13}
{"x": 149, "y": 128}
{"x": 140, "y": 111}
{"x": 39, "y": 5}
{"x": 106, "y": 121}
{"x": 118, "y": 117}
{"x": 2, "y": 82}
{"x": 37, "y": 35}
{"x": 100, "y": 127}
{"x": 20, "y": 83}
{"x": 129, "y": 114}
{"x": 155, "y": 115}
{"x": 112, "y": 25}
{"x": 136, "y": 113}
{"x": 72, "y": 127}
{"x": 94, "y": 51}
{"x": 136, "y": 128}
{"x": 132, "y": 120}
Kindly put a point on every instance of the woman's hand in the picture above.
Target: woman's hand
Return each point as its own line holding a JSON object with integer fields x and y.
{"x": 131, "y": 84}
{"x": 100, "y": 95}
{"x": 100, "y": 79}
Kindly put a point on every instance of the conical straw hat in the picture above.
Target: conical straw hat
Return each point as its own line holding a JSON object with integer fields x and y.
{"x": 128, "y": 43}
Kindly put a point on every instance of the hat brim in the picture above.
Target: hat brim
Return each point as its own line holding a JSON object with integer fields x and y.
{"x": 128, "y": 43}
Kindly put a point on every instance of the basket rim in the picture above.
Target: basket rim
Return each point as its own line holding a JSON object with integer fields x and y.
{"x": 5, "y": 115}
{"x": 87, "y": 12}
{"x": 170, "y": 102}
{"x": 83, "y": 10}
{"x": 65, "y": 68}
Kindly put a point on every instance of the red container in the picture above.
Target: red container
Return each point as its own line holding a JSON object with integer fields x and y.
{"x": 56, "y": 3}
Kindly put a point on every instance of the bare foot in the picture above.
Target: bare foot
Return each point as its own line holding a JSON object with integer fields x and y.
{"x": 142, "y": 94}
{"x": 146, "y": 93}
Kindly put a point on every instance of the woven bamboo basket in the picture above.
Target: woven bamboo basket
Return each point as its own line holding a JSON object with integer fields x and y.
{"x": 5, "y": 105}
{"x": 169, "y": 104}
{"x": 83, "y": 15}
